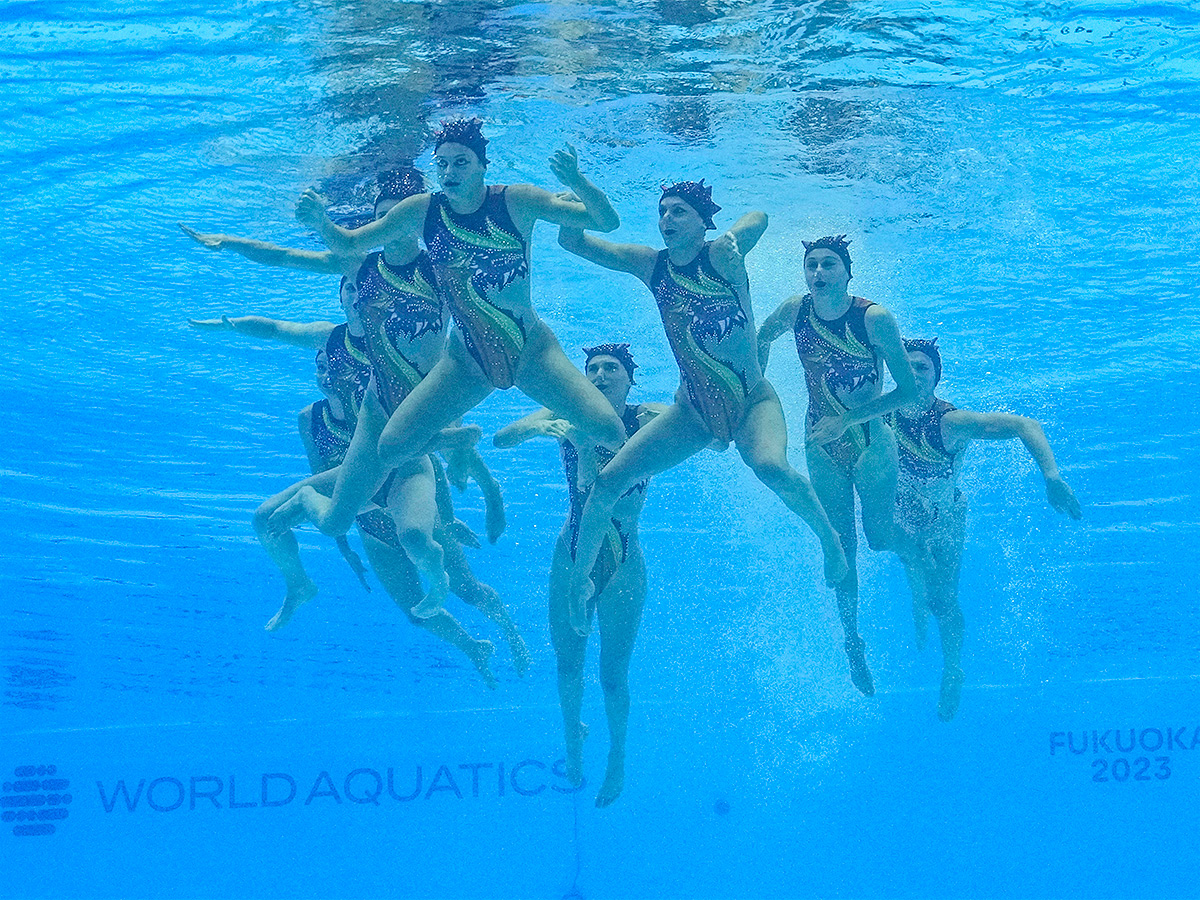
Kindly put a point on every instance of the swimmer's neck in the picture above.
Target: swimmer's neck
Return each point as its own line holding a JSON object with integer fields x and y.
{"x": 921, "y": 405}
{"x": 354, "y": 325}
{"x": 685, "y": 254}
{"x": 337, "y": 409}
{"x": 830, "y": 307}
{"x": 468, "y": 205}
{"x": 401, "y": 253}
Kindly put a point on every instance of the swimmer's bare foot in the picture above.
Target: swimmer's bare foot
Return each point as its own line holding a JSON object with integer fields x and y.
{"x": 521, "y": 657}
{"x": 435, "y": 599}
{"x": 574, "y": 744}
{"x": 295, "y": 598}
{"x": 836, "y": 566}
{"x": 290, "y": 513}
{"x": 481, "y": 654}
{"x": 494, "y": 519}
{"x": 952, "y": 682}
{"x": 859, "y": 673}
{"x": 614, "y": 780}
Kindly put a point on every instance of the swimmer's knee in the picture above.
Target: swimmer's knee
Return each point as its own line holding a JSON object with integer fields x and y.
{"x": 772, "y": 473}
{"x": 262, "y": 516}
{"x": 416, "y": 540}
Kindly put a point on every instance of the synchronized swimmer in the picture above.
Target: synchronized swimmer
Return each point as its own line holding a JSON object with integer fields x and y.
{"x": 397, "y": 378}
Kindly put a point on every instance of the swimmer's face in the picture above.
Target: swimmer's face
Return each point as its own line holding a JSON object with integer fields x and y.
{"x": 459, "y": 171}
{"x": 348, "y": 298}
{"x": 325, "y": 380}
{"x": 825, "y": 273}
{"x": 924, "y": 371}
{"x": 384, "y": 206}
{"x": 678, "y": 223}
{"x": 609, "y": 375}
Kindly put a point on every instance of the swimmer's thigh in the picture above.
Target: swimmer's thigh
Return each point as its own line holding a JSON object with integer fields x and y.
{"x": 547, "y": 377}
{"x": 619, "y": 609}
{"x": 834, "y": 490}
{"x": 395, "y": 572}
{"x": 412, "y": 500}
{"x": 567, "y": 642}
{"x": 453, "y": 387}
{"x": 875, "y": 475}
{"x": 663, "y": 442}
{"x": 761, "y": 439}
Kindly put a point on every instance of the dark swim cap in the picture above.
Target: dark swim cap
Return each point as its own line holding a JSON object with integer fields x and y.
{"x": 929, "y": 348}
{"x": 837, "y": 244}
{"x": 695, "y": 194}
{"x": 397, "y": 184}
{"x": 620, "y": 352}
{"x": 468, "y": 132}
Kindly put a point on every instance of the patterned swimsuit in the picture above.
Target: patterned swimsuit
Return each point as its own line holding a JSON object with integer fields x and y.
{"x": 404, "y": 323}
{"x": 331, "y": 436}
{"x": 475, "y": 257}
{"x": 616, "y": 542}
{"x": 923, "y": 459}
{"x": 837, "y": 355}
{"x": 699, "y": 310}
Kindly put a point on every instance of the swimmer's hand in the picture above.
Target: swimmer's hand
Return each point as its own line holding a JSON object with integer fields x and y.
{"x": 310, "y": 209}
{"x": 1061, "y": 497}
{"x": 211, "y": 241}
{"x": 458, "y": 462}
{"x": 827, "y": 429}
{"x": 221, "y": 324}
{"x": 464, "y": 535}
{"x": 565, "y": 166}
{"x": 726, "y": 257}
{"x": 560, "y": 429}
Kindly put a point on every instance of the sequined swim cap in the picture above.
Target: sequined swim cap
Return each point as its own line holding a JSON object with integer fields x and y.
{"x": 695, "y": 194}
{"x": 468, "y": 132}
{"x": 620, "y": 352}
{"x": 837, "y": 244}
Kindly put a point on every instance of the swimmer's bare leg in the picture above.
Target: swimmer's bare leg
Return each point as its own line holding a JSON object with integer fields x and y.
{"x": 285, "y": 553}
{"x": 493, "y": 501}
{"x": 619, "y": 612}
{"x": 570, "y": 649}
{"x": 762, "y": 442}
{"x": 481, "y": 596}
{"x": 413, "y": 506}
{"x": 836, "y": 493}
{"x": 453, "y": 387}
{"x": 546, "y": 376}
{"x": 398, "y": 576}
{"x": 664, "y": 441}
{"x": 359, "y": 476}
{"x": 943, "y": 582}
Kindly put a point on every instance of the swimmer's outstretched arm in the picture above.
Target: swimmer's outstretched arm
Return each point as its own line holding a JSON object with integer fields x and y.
{"x": 960, "y": 427}
{"x": 774, "y": 326}
{"x": 636, "y": 259}
{"x": 312, "y": 335}
{"x": 403, "y": 222}
{"x": 323, "y": 261}
{"x": 885, "y": 337}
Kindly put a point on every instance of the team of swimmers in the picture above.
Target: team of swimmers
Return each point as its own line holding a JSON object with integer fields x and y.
{"x": 397, "y": 379}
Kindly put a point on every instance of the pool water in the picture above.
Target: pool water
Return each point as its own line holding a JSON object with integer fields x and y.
{"x": 1019, "y": 179}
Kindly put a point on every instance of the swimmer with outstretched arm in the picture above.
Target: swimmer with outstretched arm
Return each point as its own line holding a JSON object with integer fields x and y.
{"x": 619, "y": 574}
{"x": 931, "y": 435}
{"x": 842, "y": 341}
{"x": 326, "y": 428}
{"x": 703, "y": 295}
{"x": 477, "y": 237}
{"x": 429, "y": 532}
{"x": 398, "y": 262}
